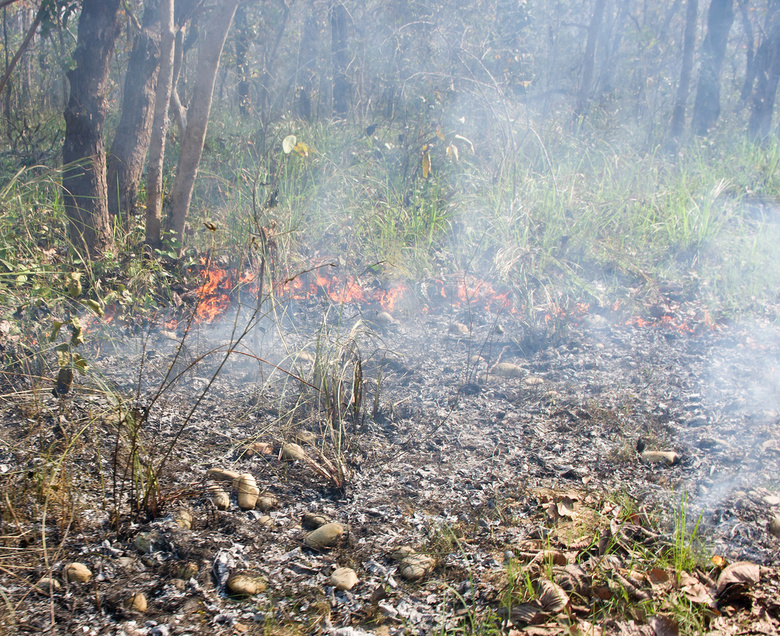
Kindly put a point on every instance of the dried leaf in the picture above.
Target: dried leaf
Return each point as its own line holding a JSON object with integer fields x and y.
{"x": 552, "y": 597}
{"x": 663, "y": 626}
{"x": 741, "y": 574}
{"x": 289, "y": 143}
{"x": 426, "y": 162}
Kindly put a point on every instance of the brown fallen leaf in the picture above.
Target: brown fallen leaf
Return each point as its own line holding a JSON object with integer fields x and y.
{"x": 552, "y": 597}
{"x": 737, "y": 577}
{"x": 663, "y": 626}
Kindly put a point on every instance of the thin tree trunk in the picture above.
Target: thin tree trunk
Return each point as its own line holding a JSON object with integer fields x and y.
{"x": 706, "y": 107}
{"x": 27, "y": 39}
{"x": 767, "y": 75}
{"x": 242, "y": 63}
{"x": 210, "y": 49}
{"x": 160, "y": 127}
{"x": 131, "y": 141}
{"x": 589, "y": 60}
{"x": 83, "y": 153}
{"x": 338, "y": 25}
{"x": 684, "y": 87}
{"x": 179, "y": 110}
{"x": 750, "y": 57}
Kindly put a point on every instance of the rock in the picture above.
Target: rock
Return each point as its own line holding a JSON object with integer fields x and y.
{"x": 313, "y": 520}
{"x": 265, "y": 521}
{"x": 47, "y": 585}
{"x": 324, "y": 536}
{"x": 305, "y": 437}
{"x": 77, "y": 573}
{"x": 772, "y": 500}
{"x": 267, "y": 502}
{"x": 291, "y": 452}
{"x": 147, "y": 542}
{"x": 656, "y": 457}
{"x": 507, "y": 370}
{"x": 383, "y": 318}
{"x": 137, "y": 602}
{"x": 219, "y": 498}
{"x": 458, "y": 329}
{"x": 774, "y": 526}
{"x": 415, "y": 566}
{"x": 343, "y": 578}
{"x": 532, "y": 380}
{"x": 221, "y": 474}
{"x": 247, "y": 478}
{"x": 399, "y": 554}
{"x": 187, "y": 570}
{"x": 244, "y": 584}
{"x": 183, "y": 519}
{"x": 247, "y": 493}
{"x": 259, "y": 448}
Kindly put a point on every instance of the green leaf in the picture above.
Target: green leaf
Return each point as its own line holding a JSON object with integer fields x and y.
{"x": 80, "y": 363}
{"x": 55, "y": 329}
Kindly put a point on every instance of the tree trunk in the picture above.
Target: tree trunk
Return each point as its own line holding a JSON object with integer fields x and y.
{"x": 338, "y": 26}
{"x": 706, "y": 108}
{"x": 750, "y": 57}
{"x": 243, "y": 36}
{"x": 160, "y": 124}
{"x": 211, "y": 44}
{"x": 684, "y": 87}
{"x": 131, "y": 141}
{"x": 307, "y": 65}
{"x": 589, "y": 60}
{"x": 767, "y": 75}
{"x": 84, "y": 176}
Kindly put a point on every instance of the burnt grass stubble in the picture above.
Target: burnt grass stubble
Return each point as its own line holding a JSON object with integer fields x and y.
{"x": 451, "y": 464}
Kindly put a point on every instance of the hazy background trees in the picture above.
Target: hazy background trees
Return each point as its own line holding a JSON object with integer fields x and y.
{"x": 502, "y": 74}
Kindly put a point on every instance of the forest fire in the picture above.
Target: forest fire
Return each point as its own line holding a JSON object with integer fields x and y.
{"x": 216, "y": 294}
{"x": 221, "y": 286}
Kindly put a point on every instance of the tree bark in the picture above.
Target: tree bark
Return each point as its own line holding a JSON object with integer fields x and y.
{"x": 684, "y": 87}
{"x": 160, "y": 125}
{"x": 706, "y": 108}
{"x": 243, "y": 36}
{"x": 338, "y": 26}
{"x": 209, "y": 51}
{"x": 750, "y": 57}
{"x": 131, "y": 141}
{"x": 767, "y": 75}
{"x": 83, "y": 152}
{"x": 589, "y": 60}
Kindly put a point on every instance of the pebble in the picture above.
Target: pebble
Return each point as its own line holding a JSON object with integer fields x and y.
{"x": 137, "y": 602}
{"x": 245, "y": 584}
{"x": 267, "y": 502}
{"x": 459, "y": 329}
{"x": 343, "y": 578}
{"x": 656, "y": 457}
{"x": 219, "y": 498}
{"x": 48, "y": 585}
{"x": 291, "y": 452}
{"x": 399, "y": 554}
{"x": 324, "y": 536}
{"x": 772, "y": 500}
{"x": 187, "y": 570}
{"x": 145, "y": 541}
{"x": 247, "y": 492}
{"x": 507, "y": 370}
{"x": 221, "y": 474}
{"x": 774, "y": 526}
{"x": 415, "y": 566}
{"x": 183, "y": 519}
{"x": 77, "y": 573}
{"x": 313, "y": 520}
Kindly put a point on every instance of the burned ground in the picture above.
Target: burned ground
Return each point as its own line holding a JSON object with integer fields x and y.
{"x": 506, "y": 455}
